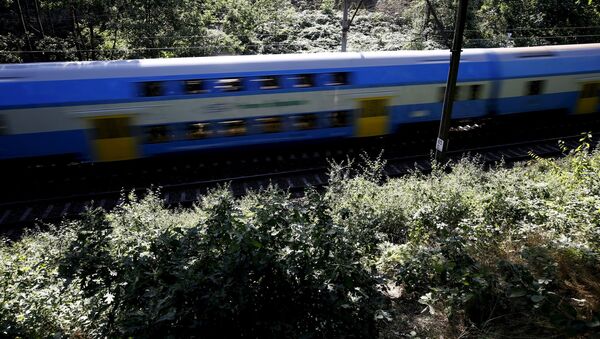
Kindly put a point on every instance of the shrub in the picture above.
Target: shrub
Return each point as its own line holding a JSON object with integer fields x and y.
{"x": 466, "y": 251}
{"x": 263, "y": 266}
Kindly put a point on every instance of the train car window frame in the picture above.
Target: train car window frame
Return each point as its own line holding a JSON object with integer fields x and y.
{"x": 535, "y": 87}
{"x": 462, "y": 92}
{"x": 3, "y": 125}
{"x": 590, "y": 90}
{"x": 339, "y": 119}
{"x": 270, "y": 124}
{"x": 198, "y": 130}
{"x": 233, "y": 128}
{"x": 304, "y": 80}
{"x": 339, "y": 79}
{"x": 111, "y": 128}
{"x": 268, "y": 82}
{"x": 229, "y": 84}
{"x": 544, "y": 54}
{"x": 307, "y": 121}
{"x": 152, "y": 88}
{"x": 475, "y": 91}
{"x": 194, "y": 86}
{"x": 457, "y": 93}
{"x": 158, "y": 134}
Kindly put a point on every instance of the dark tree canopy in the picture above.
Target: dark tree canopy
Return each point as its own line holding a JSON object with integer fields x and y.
{"x": 56, "y": 30}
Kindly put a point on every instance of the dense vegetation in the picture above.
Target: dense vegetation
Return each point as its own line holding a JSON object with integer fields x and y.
{"x": 45, "y": 30}
{"x": 469, "y": 252}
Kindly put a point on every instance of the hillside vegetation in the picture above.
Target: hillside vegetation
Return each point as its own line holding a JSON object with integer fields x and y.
{"x": 48, "y": 30}
{"x": 471, "y": 252}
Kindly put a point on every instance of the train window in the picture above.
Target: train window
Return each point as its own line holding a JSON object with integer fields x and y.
{"x": 269, "y": 125}
{"x": 233, "y": 127}
{"x": 590, "y": 90}
{"x": 267, "y": 82}
{"x": 111, "y": 128}
{"x": 543, "y": 54}
{"x": 198, "y": 130}
{"x": 152, "y": 88}
{"x": 229, "y": 85}
{"x": 338, "y": 79}
{"x": 3, "y": 126}
{"x": 535, "y": 87}
{"x": 304, "y": 80}
{"x": 339, "y": 119}
{"x": 194, "y": 86}
{"x": 373, "y": 108}
{"x": 459, "y": 93}
{"x": 475, "y": 92}
{"x": 306, "y": 121}
{"x": 157, "y": 134}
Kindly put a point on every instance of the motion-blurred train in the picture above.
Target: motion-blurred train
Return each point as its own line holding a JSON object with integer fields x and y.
{"x": 118, "y": 110}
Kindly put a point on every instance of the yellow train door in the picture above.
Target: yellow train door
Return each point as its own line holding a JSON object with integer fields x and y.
{"x": 372, "y": 117}
{"x": 589, "y": 98}
{"x": 112, "y": 138}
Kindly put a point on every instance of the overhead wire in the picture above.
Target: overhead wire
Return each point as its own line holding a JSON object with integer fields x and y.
{"x": 168, "y": 48}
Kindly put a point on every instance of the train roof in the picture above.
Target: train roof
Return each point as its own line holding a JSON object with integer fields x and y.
{"x": 264, "y": 63}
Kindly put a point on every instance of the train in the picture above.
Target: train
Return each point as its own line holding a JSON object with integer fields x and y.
{"x": 103, "y": 111}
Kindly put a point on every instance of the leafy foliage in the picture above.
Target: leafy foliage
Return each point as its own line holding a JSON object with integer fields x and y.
{"x": 54, "y": 30}
{"x": 472, "y": 251}
{"x": 261, "y": 266}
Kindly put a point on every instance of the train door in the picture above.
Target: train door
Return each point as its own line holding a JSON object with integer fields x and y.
{"x": 112, "y": 138}
{"x": 589, "y": 98}
{"x": 373, "y": 117}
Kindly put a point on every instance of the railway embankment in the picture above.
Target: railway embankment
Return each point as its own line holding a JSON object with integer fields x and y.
{"x": 464, "y": 251}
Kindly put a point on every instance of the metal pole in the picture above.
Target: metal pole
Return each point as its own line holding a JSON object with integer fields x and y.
{"x": 345, "y": 26}
{"x": 441, "y": 146}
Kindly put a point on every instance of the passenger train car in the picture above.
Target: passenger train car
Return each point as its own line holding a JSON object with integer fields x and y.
{"x": 118, "y": 110}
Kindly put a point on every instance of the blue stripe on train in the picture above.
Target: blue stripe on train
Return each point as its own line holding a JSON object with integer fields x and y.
{"x": 118, "y": 90}
{"x": 541, "y": 102}
{"x": 544, "y": 67}
{"x": 44, "y": 144}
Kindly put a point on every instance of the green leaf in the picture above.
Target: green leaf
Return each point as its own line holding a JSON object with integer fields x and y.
{"x": 167, "y": 317}
{"x": 537, "y": 298}
{"x": 256, "y": 244}
{"x": 517, "y": 292}
{"x": 592, "y": 324}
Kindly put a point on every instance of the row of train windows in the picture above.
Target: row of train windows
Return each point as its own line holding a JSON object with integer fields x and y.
{"x": 199, "y": 86}
{"x": 474, "y": 92}
{"x": 464, "y": 92}
{"x": 201, "y": 130}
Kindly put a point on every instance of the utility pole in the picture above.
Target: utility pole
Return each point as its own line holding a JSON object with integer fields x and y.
{"x": 345, "y": 26}
{"x": 441, "y": 146}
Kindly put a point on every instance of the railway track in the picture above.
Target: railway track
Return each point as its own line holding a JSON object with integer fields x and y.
{"x": 54, "y": 197}
{"x": 27, "y": 212}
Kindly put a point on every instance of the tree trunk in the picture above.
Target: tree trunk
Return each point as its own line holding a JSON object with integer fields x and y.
{"x": 114, "y": 44}
{"x": 39, "y": 19}
{"x": 26, "y": 32}
{"x": 92, "y": 45}
{"x": 76, "y": 33}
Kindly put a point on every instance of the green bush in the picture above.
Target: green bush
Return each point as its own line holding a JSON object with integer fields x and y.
{"x": 469, "y": 251}
{"x": 263, "y": 266}
{"x": 505, "y": 251}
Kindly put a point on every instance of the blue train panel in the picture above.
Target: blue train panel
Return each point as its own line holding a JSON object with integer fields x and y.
{"x": 45, "y": 144}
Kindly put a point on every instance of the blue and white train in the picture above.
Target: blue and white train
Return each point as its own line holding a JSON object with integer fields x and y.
{"x": 118, "y": 110}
